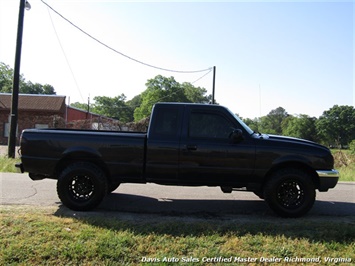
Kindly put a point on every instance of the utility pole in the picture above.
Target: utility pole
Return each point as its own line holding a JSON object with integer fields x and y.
{"x": 214, "y": 84}
{"x": 16, "y": 81}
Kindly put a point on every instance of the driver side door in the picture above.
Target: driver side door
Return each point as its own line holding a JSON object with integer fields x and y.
{"x": 208, "y": 156}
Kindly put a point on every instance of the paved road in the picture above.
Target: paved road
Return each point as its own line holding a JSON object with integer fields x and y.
{"x": 19, "y": 189}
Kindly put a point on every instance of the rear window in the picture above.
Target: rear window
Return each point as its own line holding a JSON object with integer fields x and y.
{"x": 165, "y": 124}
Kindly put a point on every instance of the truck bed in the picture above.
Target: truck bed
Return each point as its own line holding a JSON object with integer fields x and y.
{"x": 43, "y": 149}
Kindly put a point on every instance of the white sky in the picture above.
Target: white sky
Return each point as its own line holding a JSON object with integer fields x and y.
{"x": 293, "y": 54}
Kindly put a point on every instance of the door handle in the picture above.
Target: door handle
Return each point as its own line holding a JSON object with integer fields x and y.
{"x": 191, "y": 147}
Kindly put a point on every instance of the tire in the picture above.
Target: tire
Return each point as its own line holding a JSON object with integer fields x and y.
{"x": 290, "y": 193}
{"x": 81, "y": 186}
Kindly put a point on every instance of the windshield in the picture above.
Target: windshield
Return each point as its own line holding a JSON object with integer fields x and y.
{"x": 248, "y": 129}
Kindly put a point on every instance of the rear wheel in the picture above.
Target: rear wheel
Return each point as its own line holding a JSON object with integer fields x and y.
{"x": 82, "y": 186}
{"x": 290, "y": 192}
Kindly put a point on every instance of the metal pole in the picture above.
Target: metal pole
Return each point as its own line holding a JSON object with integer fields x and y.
{"x": 16, "y": 84}
{"x": 214, "y": 83}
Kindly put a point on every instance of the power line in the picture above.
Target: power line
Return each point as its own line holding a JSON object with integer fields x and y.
{"x": 118, "y": 52}
{"x": 202, "y": 76}
{"x": 65, "y": 56}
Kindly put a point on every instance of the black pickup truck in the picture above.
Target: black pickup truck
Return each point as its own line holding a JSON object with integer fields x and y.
{"x": 185, "y": 145}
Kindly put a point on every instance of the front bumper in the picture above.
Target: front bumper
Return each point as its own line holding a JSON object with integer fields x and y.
{"x": 327, "y": 179}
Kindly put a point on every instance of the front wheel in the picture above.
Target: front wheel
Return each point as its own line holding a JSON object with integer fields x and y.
{"x": 290, "y": 192}
{"x": 81, "y": 186}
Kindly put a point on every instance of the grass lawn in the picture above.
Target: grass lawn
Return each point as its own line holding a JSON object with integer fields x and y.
{"x": 47, "y": 236}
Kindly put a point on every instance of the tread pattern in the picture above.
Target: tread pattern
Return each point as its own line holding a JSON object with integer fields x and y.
{"x": 82, "y": 186}
{"x": 290, "y": 192}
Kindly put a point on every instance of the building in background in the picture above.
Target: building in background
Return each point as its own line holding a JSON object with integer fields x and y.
{"x": 48, "y": 111}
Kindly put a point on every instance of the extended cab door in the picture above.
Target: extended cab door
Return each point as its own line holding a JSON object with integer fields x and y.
{"x": 162, "y": 156}
{"x": 208, "y": 155}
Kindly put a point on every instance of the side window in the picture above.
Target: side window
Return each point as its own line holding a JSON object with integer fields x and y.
{"x": 166, "y": 123}
{"x": 209, "y": 125}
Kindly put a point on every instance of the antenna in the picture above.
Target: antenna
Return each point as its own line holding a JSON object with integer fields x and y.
{"x": 259, "y": 101}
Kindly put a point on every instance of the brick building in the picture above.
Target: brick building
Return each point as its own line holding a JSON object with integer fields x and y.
{"x": 34, "y": 111}
{"x": 80, "y": 119}
{"x": 48, "y": 111}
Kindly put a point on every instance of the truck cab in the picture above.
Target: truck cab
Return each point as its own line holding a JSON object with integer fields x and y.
{"x": 196, "y": 144}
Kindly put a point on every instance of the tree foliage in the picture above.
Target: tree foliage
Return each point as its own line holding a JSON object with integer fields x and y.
{"x": 6, "y": 76}
{"x": 163, "y": 89}
{"x": 6, "y": 79}
{"x": 271, "y": 124}
{"x": 82, "y": 106}
{"x": 115, "y": 107}
{"x": 159, "y": 89}
{"x": 253, "y": 123}
{"x": 195, "y": 94}
{"x": 301, "y": 126}
{"x": 337, "y": 125}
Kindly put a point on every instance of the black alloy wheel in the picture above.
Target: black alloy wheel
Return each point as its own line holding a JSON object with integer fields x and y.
{"x": 81, "y": 186}
{"x": 290, "y": 192}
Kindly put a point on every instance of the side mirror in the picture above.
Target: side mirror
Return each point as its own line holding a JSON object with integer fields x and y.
{"x": 236, "y": 135}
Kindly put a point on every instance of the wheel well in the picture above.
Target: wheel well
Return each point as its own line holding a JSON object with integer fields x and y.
{"x": 81, "y": 157}
{"x": 296, "y": 165}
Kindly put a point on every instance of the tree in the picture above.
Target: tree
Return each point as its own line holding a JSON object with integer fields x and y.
{"x": 195, "y": 94}
{"x": 6, "y": 78}
{"x": 303, "y": 127}
{"x": 82, "y": 106}
{"x": 36, "y": 88}
{"x": 271, "y": 123}
{"x": 113, "y": 107}
{"x": 337, "y": 125}
{"x": 163, "y": 89}
{"x": 252, "y": 123}
{"x": 159, "y": 89}
{"x": 135, "y": 102}
{"x": 48, "y": 89}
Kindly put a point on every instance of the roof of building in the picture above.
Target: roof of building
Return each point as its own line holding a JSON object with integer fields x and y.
{"x": 33, "y": 102}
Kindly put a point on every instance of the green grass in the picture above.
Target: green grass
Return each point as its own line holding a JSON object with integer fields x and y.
{"x": 347, "y": 173}
{"x": 45, "y": 236}
{"x": 8, "y": 164}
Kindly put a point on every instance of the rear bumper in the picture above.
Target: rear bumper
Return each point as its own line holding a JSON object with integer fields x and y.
{"x": 20, "y": 166}
{"x": 31, "y": 175}
{"x": 327, "y": 179}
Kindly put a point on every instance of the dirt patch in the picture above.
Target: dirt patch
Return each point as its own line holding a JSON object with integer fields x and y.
{"x": 343, "y": 159}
